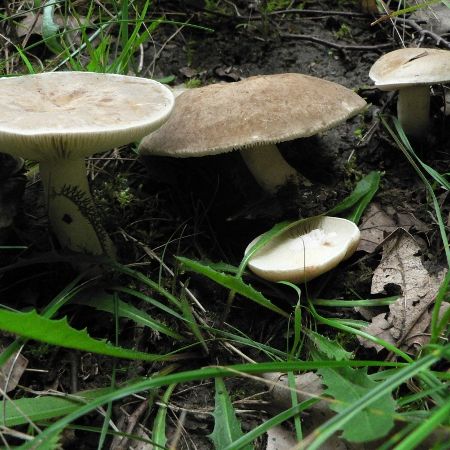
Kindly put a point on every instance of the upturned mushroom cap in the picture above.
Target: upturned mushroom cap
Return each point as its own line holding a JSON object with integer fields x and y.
{"x": 305, "y": 250}
{"x": 411, "y": 66}
{"x": 75, "y": 114}
{"x": 258, "y": 110}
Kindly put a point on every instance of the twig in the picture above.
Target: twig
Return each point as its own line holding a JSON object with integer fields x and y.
{"x": 423, "y": 32}
{"x": 152, "y": 65}
{"x": 312, "y": 12}
{"x": 131, "y": 420}
{"x": 306, "y": 37}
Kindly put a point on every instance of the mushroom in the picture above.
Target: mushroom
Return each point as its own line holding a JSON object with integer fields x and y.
{"x": 253, "y": 115}
{"x": 305, "y": 249}
{"x": 60, "y": 118}
{"x": 411, "y": 71}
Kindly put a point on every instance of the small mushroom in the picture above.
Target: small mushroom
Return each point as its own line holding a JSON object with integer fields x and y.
{"x": 306, "y": 249}
{"x": 253, "y": 115}
{"x": 411, "y": 71}
{"x": 59, "y": 119}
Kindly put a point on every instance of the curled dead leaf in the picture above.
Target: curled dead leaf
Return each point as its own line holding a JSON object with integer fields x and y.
{"x": 378, "y": 223}
{"x": 11, "y": 372}
{"x": 280, "y": 438}
{"x": 401, "y": 270}
{"x": 32, "y": 24}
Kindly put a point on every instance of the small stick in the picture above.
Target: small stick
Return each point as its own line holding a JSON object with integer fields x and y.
{"x": 306, "y": 37}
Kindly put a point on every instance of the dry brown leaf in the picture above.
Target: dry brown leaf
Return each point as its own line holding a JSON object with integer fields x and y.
{"x": 377, "y": 223}
{"x": 380, "y": 328}
{"x": 12, "y": 371}
{"x": 421, "y": 339}
{"x": 188, "y": 72}
{"x": 31, "y": 24}
{"x": 369, "y": 6}
{"x": 401, "y": 270}
{"x": 308, "y": 385}
{"x": 280, "y": 438}
{"x": 435, "y": 18}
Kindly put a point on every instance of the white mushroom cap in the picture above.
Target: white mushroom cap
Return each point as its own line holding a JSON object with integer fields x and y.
{"x": 412, "y": 71}
{"x": 265, "y": 109}
{"x": 411, "y": 66}
{"x": 76, "y": 114}
{"x": 60, "y": 118}
{"x": 305, "y": 250}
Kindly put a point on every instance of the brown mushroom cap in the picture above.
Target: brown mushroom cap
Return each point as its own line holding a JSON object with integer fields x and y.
{"x": 410, "y": 67}
{"x": 258, "y": 110}
{"x": 76, "y": 114}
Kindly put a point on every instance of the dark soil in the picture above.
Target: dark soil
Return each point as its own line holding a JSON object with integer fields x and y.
{"x": 210, "y": 208}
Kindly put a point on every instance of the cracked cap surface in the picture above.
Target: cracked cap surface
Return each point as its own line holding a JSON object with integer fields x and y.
{"x": 411, "y": 66}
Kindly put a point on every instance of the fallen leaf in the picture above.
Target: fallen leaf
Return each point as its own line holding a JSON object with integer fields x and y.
{"x": 229, "y": 73}
{"x": 11, "y": 372}
{"x": 377, "y": 223}
{"x": 435, "y": 18}
{"x": 369, "y": 6}
{"x": 308, "y": 385}
{"x": 421, "y": 339}
{"x": 401, "y": 271}
{"x": 32, "y": 24}
{"x": 280, "y": 438}
{"x": 188, "y": 72}
{"x": 380, "y": 328}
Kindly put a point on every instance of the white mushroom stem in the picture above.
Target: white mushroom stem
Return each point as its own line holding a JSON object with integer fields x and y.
{"x": 71, "y": 209}
{"x": 413, "y": 110}
{"x": 269, "y": 168}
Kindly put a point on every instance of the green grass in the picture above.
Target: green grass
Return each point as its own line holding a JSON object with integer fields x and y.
{"x": 110, "y": 38}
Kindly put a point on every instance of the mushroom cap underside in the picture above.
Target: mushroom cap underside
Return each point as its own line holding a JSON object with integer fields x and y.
{"x": 259, "y": 110}
{"x": 305, "y": 250}
{"x": 75, "y": 114}
{"x": 410, "y": 67}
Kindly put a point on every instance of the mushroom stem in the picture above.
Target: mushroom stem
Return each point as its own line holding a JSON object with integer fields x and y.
{"x": 413, "y": 110}
{"x": 269, "y": 168}
{"x": 71, "y": 209}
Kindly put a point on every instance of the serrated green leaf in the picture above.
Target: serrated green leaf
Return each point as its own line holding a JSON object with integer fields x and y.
{"x": 103, "y": 301}
{"x": 330, "y": 348}
{"x": 221, "y": 266}
{"x": 58, "y": 332}
{"x": 231, "y": 282}
{"x": 226, "y": 425}
{"x": 210, "y": 372}
{"x": 347, "y": 386}
{"x": 25, "y": 410}
{"x": 52, "y": 443}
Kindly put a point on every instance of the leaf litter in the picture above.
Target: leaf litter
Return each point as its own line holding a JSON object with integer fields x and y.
{"x": 401, "y": 270}
{"x": 378, "y": 222}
